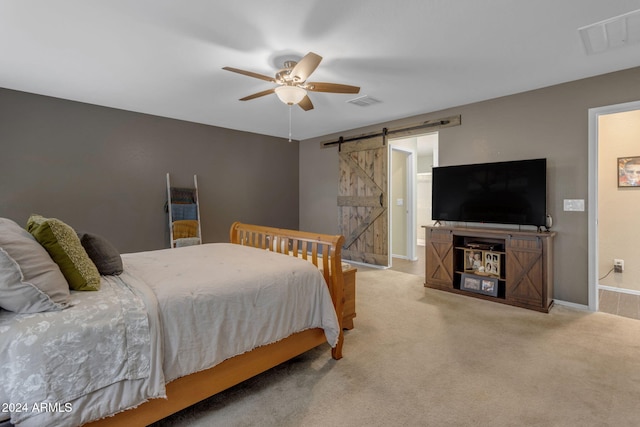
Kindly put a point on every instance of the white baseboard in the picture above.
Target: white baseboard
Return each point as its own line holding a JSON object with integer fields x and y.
{"x": 572, "y": 305}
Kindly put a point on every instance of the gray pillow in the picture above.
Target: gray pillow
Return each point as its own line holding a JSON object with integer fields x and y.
{"x": 103, "y": 254}
{"x": 30, "y": 281}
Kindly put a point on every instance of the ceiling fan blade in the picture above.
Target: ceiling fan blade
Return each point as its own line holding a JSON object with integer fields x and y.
{"x": 331, "y": 87}
{"x": 306, "y": 104}
{"x": 305, "y": 67}
{"x": 258, "y": 95}
{"x": 250, "y": 74}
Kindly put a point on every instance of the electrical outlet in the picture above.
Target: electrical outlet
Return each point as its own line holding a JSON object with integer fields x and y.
{"x": 618, "y": 265}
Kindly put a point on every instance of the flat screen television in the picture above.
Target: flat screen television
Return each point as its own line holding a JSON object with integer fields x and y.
{"x": 513, "y": 192}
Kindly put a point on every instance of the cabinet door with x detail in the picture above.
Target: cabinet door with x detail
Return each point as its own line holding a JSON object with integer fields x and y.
{"x": 525, "y": 271}
{"x": 439, "y": 258}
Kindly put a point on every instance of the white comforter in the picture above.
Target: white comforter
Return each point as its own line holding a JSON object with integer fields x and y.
{"x": 230, "y": 299}
{"x": 171, "y": 313}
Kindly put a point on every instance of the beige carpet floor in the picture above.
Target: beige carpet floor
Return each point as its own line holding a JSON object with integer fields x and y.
{"x": 421, "y": 357}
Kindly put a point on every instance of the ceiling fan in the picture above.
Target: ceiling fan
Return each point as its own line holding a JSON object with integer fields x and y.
{"x": 292, "y": 81}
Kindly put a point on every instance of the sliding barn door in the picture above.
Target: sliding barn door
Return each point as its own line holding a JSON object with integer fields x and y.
{"x": 362, "y": 201}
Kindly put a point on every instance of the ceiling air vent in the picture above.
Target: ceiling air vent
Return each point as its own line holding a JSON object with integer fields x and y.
{"x": 363, "y": 101}
{"x": 611, "y": 33}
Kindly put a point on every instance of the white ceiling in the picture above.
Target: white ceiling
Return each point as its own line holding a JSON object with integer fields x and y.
{"x": 165, "y": 57}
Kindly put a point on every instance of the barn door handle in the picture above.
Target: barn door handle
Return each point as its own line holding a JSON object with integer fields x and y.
{"x": 381, "y": 194}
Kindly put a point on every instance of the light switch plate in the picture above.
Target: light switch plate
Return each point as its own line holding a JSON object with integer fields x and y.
{"x": 574, "y": 205}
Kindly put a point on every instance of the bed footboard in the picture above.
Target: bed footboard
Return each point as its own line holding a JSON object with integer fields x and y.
{"x": 322, "y": 250}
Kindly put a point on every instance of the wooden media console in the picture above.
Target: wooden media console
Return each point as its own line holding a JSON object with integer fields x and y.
{"x": 517, "y": 266}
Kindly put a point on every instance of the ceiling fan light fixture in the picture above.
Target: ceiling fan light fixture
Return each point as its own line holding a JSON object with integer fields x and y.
{"x": 292, "y": 82}
{"x": 290, "y": 95}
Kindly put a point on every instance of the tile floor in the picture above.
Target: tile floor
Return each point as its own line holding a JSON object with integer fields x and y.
{"x": 617, "y": 303}
{"x": 621, "y": 304}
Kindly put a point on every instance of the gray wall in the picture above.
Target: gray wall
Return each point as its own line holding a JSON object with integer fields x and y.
{"x": 104, "y": 170}
{"x": 550, "y": 122}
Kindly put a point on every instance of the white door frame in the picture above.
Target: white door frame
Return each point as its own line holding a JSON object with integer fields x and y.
{"x": 412, "y": 238}
{"x": 594, "y": 114}
{"x": 410, "y": 202}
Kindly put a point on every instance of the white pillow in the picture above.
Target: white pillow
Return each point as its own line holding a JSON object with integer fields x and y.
{"x": 30, "y": 281}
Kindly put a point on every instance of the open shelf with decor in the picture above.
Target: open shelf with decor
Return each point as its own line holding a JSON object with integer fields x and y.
{"x": 479, "y": 265}
{"x": 507, "y": 266}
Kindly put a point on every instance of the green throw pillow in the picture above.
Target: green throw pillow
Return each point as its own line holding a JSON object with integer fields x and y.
{"x": 64, "y": 247}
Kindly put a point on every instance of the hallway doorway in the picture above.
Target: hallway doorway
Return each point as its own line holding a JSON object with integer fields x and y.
{"x": 613, "y": 211}
{"x": 415, "y": 157}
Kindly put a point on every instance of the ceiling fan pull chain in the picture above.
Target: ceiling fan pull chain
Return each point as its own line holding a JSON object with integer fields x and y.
{"x": 289, "y": 122}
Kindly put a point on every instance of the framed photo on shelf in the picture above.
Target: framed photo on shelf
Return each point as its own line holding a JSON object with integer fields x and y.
{"x": 629, "y": 171}
{"x": 489, "y": 286}
{"x": 469, "y": 282}
{"x": 492, "y": 263}
{"x": 479, "y": 284}
{"x": 472, "y": 260}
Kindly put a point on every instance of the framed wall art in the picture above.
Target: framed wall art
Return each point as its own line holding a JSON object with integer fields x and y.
{"x": 629, "y": 171}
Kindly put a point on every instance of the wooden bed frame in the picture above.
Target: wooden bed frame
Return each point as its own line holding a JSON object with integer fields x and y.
{"x": 323, "y": 251}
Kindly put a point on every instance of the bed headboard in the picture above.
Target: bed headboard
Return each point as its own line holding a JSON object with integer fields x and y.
{"x": 323, "y": 250}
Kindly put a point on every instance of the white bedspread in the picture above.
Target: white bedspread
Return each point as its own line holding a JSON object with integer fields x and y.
{"x": 171, "y": 313}
{"x": 229, "y": 299}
